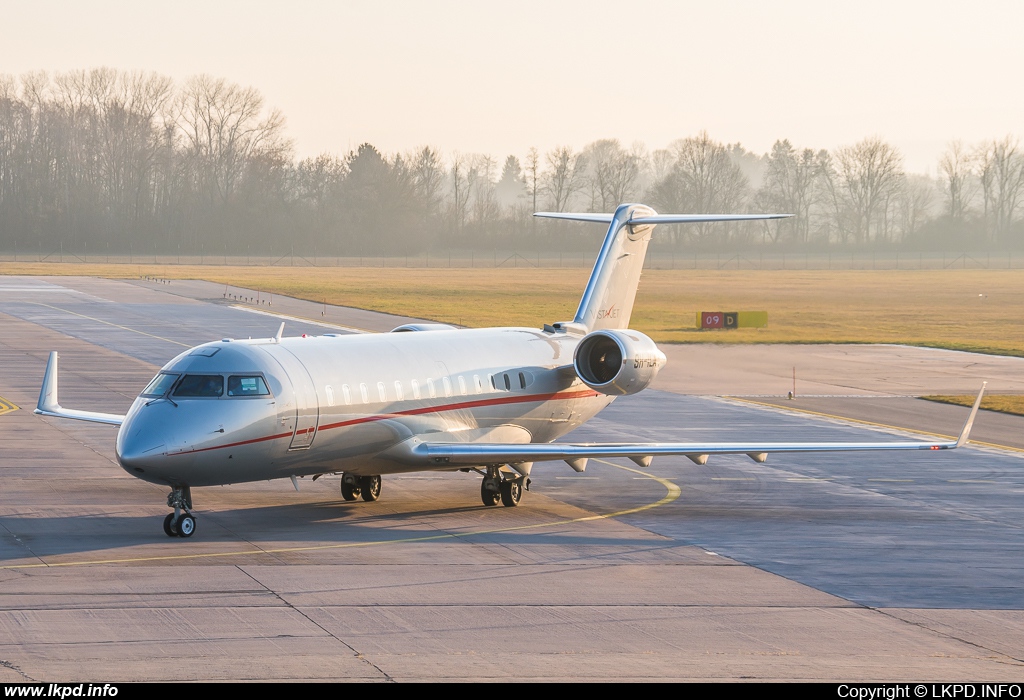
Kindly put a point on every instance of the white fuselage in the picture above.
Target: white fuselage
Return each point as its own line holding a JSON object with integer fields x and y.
{"x": 339, "y": 403}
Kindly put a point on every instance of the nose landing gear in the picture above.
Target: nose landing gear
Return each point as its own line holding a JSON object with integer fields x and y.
{"x": 180, "y": 523}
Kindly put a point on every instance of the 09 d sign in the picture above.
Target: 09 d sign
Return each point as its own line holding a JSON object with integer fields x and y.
{"x": 718, "y": 319}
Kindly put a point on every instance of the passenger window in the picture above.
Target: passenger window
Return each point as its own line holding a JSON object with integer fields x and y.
{"x": 200, "y": 386}
{"x": 508, "y": 384}
{"x": 249, "y": 386}
{"x": 447, "y": 386}
{"x": 430, "y": 388}
{"x": 478, "y": 384}
{"x": 346, "y": 394}
{"x": 364, "y": 393}
{"x": 382, "y": 392}
{"x": 462, "y": 385}
{"x": 415, "y": 388}
{"x": 399, "y": 394}
{"x": 522, "y": 380}
{"x": 330, "y": 395}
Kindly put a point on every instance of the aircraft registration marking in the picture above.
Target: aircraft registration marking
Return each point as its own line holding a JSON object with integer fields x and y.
{"x": 672, "y": 493}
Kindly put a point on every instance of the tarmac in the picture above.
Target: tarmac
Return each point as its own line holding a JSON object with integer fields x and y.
{"x": 906, "y": 567}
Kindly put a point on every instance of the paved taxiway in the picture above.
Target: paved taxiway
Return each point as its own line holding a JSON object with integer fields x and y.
{"x": 810, "y": 567}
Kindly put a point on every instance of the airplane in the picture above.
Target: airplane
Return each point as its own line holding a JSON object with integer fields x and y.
{"x": 426, "y": 396}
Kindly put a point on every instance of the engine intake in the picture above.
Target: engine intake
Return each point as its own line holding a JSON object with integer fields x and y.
{"x": 617, "y": 362}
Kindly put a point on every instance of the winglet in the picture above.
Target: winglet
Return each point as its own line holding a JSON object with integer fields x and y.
{"x": 48, "y": 392}
{"x": 48, "y": 404}
{"x": 965, "y": 433}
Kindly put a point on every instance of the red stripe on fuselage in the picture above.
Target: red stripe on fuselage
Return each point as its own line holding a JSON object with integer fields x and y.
{"x": 532, "y": 398}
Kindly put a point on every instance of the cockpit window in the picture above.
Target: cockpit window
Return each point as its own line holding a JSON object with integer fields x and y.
{"x": 247, "y": 386}
{"x": 200, "y": 385}
{"x": 160, "y": 385}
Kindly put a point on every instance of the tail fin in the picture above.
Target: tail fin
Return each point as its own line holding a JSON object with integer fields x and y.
{"x": 607, "y": 301}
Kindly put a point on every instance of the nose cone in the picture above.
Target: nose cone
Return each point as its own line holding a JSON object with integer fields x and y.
{"x": 142, "y": 442}
{"x": 139, "y": 451}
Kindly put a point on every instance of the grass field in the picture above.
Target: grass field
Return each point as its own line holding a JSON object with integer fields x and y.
{"x": 1004, "y": 403}
{"x": 977, "y": 310}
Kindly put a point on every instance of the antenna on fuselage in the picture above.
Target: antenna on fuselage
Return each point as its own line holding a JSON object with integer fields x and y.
{"x": 280, "y": 332}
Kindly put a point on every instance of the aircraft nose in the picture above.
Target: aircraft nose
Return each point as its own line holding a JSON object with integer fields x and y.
{"x": 141, "y": 444}
{"x": 140, "y": 452}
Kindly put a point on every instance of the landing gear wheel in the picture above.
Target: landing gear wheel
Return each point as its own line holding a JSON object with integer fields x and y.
{"x": 511, "y": 492}
{"x": 349, "y": 491}
{"x": 490, "y": 491}
{"x": 370, "y": 487}
{"x": 186, "y": 525}
{"x": 169, "y": 526}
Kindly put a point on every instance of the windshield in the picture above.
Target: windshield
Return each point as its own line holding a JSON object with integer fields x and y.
{"x": 200, "y": 385}
{"x": 160, "y": 385}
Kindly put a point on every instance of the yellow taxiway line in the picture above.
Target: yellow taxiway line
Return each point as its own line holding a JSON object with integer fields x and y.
{"x": 672, "y": 493}
{"x": 6, "y": 406}
{"x": 873, "y": 424}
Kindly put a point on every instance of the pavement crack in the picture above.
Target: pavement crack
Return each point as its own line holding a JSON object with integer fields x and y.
{"x": 1003, "y": 656}
{"x": 7, "y": 664}
{"x": 358, "y": 654}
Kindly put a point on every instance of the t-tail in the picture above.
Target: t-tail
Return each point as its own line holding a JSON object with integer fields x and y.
{"x": 607, "y": 301}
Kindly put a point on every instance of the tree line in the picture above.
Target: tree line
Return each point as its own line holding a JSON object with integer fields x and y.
{"x": 109, "y": 160}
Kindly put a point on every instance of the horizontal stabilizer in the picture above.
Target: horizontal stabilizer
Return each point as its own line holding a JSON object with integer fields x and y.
{"x": 660, "y": 218}
{"x": 48, "y": 404}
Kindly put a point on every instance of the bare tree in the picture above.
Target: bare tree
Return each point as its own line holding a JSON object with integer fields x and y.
{"x": 564, "y": 176}
{"x": 870, "y": 173}
{"x": 914, "y": 203}
{"x": 428, "y": 171}
{"x": 703, "y": 180}
{"x": 956, "y": 167}
{"x": 224, "y": 125}
{"x": 1000, "y": 166}
{"x": 790, "y": 188}
{"x": 612, "y": 174}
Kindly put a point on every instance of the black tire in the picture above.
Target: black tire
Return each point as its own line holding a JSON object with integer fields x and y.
{"x": 369, "y": 487}
{"x": 349, "y": 492}
{"x": 489, "y": 496}
{"x": 186, "y": 525}
{"x": 511, "y": 492}
{"x": 169, "y": 526}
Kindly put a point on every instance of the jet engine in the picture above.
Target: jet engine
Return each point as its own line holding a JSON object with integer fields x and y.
{"x": 617, "y": 362}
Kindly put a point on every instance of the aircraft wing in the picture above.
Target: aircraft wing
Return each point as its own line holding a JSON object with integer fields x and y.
{"x": 437, "y": 454}
{"x": 49, "y": 406}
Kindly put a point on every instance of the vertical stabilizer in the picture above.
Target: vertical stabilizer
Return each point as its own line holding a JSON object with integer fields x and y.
{"x": 607, "y": 302}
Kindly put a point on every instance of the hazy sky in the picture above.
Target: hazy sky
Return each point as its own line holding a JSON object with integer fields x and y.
{"x": 498, "y": 78}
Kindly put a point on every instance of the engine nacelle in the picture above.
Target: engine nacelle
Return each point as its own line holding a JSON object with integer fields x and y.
{"x": 617, "y": 362}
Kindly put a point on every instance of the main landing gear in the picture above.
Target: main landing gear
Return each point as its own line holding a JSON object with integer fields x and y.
{"x": 180, "y": 523}
{"x": 352, "y": 487}
{"x": 495, "y": 488}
